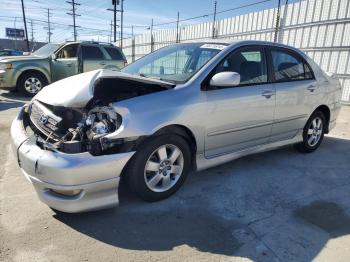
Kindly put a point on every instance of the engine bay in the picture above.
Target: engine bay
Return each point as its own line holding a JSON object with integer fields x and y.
{"x": 72, "y": 130}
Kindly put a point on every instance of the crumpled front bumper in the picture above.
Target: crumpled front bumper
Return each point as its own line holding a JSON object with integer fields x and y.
{"x": 95, "y": 178}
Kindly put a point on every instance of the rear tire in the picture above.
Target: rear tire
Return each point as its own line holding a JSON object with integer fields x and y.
{"x": 159, "y": 168}
{"x": 313, "y": 133}
{"x": 31, "y": 83}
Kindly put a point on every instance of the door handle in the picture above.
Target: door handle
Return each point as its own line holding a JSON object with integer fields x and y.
{"x": 69, "y": 65}
{"x": 102, "y": 63}
{"x": 311, "y": 88}
{"x": 268, "y": 93}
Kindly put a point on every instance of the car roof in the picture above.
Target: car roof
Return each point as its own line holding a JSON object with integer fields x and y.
{"x": 230, "y": 42}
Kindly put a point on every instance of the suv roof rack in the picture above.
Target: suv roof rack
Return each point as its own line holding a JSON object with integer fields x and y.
{"x": 96, "y": 42}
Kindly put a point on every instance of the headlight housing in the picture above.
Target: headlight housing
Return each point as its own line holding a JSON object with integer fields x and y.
{"x": 5, "y": 66}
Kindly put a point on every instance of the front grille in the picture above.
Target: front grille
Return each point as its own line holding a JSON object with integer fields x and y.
{"x": 44, "y": 120}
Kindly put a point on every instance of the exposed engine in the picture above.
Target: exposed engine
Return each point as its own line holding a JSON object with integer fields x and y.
{"x": 72, "y": 130}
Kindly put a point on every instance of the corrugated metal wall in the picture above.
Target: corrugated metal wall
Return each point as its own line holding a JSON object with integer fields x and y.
{"x": 321, "y": 28}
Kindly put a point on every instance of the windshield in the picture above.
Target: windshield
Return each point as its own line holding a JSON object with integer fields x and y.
{"x": 46, "y": 50}
{"x": 176, "y": 63}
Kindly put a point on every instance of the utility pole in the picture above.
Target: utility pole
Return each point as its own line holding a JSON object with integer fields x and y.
{"x": 110, "y": 33}
{"x": 25, "y": 25}
{"x": 115, "y": 3}
{"x": 16, "y": 31}
{"x": 214, "y": 19}
{"x": 151, "y": 35}
{"x": 115, "y": 19}
{"x": 48, "y": 25}
{"x": 277, "y": 21}
{"x": 73, "y": 14}
{"x": 177, "y": 28}
{"x": 132, "y": 44}
{"x": 32, "y": 31}
{"x": 121, "y": 23}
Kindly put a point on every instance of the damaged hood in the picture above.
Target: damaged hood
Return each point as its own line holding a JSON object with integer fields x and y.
{"x": 77, "y": 91}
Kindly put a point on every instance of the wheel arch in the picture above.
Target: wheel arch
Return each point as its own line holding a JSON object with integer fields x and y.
{"x": 185, "y": 133}
{"x": 32, "y": 71}
{"x": 327, "y": 113}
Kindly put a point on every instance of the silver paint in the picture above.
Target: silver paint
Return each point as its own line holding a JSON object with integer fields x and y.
{"x": 225, "y": 123}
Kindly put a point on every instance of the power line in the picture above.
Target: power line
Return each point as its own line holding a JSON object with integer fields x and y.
{"x": 73, "y": 14}
{"x": 209, "y": 14}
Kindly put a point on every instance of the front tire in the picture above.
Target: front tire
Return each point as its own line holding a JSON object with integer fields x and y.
{"x": 313, "y": 133}
{"x": 31, "y": 83}
{"x": 159, "y": 168}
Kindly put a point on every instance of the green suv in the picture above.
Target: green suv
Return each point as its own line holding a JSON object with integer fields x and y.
{"x": 52, "y": 62}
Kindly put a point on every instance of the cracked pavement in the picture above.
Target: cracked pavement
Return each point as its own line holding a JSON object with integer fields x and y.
{"x": 274, "y": 206}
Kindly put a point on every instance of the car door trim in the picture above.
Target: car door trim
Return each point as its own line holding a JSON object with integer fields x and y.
{"x": 215, "y": 133}
{"x": 239, "y": 128}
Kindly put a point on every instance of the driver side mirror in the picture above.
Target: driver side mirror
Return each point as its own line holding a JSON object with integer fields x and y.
{"x": 53, "y": 57}
{"x": 225, "y": 79}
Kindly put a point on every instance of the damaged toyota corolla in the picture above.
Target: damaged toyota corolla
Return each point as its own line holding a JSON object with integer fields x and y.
{"x": 184, "y": 107}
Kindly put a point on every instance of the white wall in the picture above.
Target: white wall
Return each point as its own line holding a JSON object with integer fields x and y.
{"x": 321, "y": 28}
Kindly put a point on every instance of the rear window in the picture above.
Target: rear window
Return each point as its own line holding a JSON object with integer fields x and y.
{"x": 114, "y": 53}
{"x": 92, "y": 52}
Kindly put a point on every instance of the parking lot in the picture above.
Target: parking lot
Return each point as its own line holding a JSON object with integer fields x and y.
{"x": 275, "y": 206}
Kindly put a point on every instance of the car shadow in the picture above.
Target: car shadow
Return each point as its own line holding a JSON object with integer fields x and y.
{"x": 9, "y": 100}
{"x": 260, "y": 200}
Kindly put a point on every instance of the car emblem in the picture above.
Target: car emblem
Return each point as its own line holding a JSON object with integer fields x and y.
{"x": 44, "y": 119}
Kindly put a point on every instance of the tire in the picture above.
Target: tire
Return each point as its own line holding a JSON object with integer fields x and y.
{"x": 310, "y": 145}
{"x": 139, "y": 178}
{"x": 34, "y": 78}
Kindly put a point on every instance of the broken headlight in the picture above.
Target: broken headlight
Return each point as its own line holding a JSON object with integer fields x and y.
{"x": 100, "y": 121}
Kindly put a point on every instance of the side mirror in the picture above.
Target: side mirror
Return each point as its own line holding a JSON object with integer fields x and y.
{"x": 53, "y": 57}
{"x": 225, "y": 79}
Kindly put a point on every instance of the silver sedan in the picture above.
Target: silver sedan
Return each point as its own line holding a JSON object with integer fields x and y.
{"x": 185, "y": 107}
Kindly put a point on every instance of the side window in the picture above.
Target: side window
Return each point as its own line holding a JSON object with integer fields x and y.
{"x": 69, "y": 51}
{"x": 289, "y": 67}
{"x": 114, "y": 53}
{"x": 92, "y": 53}
{"x": 250, "y": 63}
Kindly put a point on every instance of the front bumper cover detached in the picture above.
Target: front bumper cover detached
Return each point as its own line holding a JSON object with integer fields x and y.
{"x": 68, "y": 182}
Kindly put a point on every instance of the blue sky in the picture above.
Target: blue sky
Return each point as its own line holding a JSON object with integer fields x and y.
{"x": 95, "y": 19}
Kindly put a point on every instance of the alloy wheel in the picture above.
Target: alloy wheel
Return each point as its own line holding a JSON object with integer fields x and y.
{"x": 164, "y": 168}
{"x": 33, "y": 85}
{"x": 314, "y": 131}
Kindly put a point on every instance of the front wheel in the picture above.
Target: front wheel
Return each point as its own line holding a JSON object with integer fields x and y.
{"x": 31, "y": 83}
{"x": 160, "y": 167}
{"x": 313, "y": 133}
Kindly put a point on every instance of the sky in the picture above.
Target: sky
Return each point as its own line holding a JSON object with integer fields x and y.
{"x": 95, "y": 20}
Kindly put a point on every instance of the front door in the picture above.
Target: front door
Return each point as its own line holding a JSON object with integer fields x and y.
{"x": 66, "y": 62}
{"x": 240, "y": 117}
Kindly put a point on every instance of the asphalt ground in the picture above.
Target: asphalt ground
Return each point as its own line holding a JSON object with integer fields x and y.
{"x": 275, "y": 206}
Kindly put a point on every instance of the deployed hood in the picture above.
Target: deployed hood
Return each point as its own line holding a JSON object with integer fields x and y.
{"x": 77, "y": 91}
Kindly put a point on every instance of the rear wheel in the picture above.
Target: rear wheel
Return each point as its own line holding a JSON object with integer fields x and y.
{"x": 313, "y": 133}
{"x": 31, "y": 83}
{"x": 160, "y": 167}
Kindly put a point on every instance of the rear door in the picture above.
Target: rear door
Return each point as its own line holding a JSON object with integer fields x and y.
{"x": 296, "y": 92}
{"x": 92, "y": 58}
{"x": 240, "y": 117}
{"x": 115, "y": 58}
